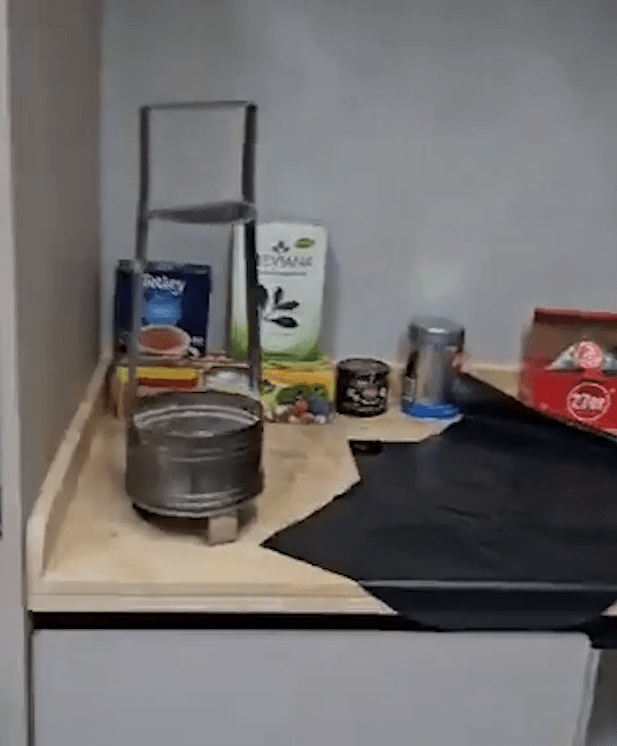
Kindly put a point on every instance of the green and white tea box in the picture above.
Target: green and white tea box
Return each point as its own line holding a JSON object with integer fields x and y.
{"x": 291, "y": 261}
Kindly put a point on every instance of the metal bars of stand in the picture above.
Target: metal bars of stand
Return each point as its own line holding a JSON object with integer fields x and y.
{"x": 196, "y": 454}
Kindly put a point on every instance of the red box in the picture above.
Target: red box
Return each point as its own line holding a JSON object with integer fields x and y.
{"x": 569, "y": 367}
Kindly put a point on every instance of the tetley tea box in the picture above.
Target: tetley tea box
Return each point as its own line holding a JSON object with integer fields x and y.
{"x": 175, "y": 303}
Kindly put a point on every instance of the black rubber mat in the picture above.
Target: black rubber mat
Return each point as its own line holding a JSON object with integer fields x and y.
{"x": 506, "y": 520}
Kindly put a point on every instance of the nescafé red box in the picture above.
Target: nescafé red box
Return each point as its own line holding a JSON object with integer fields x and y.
{"x": 569, "y": 366}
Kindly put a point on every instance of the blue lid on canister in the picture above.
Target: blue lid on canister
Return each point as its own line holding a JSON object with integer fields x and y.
{"x": 443, "y": 411}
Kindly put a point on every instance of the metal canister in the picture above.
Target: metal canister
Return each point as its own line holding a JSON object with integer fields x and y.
{"x": 433, "y": 364}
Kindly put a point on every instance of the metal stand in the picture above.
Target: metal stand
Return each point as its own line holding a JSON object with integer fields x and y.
{"x": 242, "y": 211}
{"x": 228, "y": 212}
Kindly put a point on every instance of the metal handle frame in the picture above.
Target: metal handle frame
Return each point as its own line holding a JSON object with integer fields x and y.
{"x": 143, "y": 218}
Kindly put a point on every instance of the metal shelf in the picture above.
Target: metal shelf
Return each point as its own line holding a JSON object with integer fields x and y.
{"x": 215, "y": 213}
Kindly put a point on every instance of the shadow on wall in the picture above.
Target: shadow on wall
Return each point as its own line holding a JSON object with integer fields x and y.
{"x": 331, "y": 305}
{"x": 602, "y": 729}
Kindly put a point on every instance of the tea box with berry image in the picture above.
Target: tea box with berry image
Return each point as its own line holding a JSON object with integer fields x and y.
{"x": 301, "y": 393}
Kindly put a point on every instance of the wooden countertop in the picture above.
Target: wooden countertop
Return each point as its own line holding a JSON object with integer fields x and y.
{"x": 89, "y": 550}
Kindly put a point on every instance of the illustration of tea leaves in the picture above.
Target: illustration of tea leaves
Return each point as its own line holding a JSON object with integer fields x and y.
{"x": 285, "y": 321}
{"x": 262, "y": 297}
{"x": 278, "y": 304}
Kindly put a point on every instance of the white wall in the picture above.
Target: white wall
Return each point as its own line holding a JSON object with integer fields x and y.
{"x": 462, "y": 154}
{"x": 55, "y": 71}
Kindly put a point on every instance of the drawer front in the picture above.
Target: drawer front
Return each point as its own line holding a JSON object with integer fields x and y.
{"x": 303, "y": 688}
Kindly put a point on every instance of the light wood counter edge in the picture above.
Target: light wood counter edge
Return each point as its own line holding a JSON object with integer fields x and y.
{"x": 61, "y": 480}
{"x": 276, "y": 604}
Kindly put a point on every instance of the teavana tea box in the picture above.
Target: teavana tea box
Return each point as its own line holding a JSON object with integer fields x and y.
{"x": 291, "y": 262}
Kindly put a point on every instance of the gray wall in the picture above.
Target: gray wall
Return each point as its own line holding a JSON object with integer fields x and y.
{"x": 55, "y": 72}
{"x": 49, "y": 284}
{"x": 13, "y": 702}
{"x": 462, "y": 154}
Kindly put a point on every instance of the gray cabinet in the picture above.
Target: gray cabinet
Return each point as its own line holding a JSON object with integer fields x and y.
{"x": 302, "y": 688}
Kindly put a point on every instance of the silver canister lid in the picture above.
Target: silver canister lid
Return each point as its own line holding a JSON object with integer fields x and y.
{"x": 436, "y": 331}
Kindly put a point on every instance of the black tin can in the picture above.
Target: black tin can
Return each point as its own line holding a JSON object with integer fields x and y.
{"x": 362, "y": 387}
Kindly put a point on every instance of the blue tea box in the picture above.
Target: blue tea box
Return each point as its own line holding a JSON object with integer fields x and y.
{"x": 174, "y": 312}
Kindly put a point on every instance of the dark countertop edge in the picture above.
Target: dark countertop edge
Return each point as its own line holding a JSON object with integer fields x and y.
{"x": 601, "y": 631}
{"x": 215, "y": 620}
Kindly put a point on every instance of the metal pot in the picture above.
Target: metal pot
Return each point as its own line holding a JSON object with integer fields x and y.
{"x": 194, "y": 454}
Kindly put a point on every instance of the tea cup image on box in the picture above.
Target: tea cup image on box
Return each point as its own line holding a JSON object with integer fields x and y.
{"x": 174, "y": 314}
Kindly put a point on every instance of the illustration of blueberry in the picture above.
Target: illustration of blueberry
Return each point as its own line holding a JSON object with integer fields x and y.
{"x": 318, "y": 405}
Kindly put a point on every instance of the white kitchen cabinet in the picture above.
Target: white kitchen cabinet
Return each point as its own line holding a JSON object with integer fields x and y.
{"x": 333, "y": 688}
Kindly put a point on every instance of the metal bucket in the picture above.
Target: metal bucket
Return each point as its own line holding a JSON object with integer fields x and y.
{"x": 194, "y": 454}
